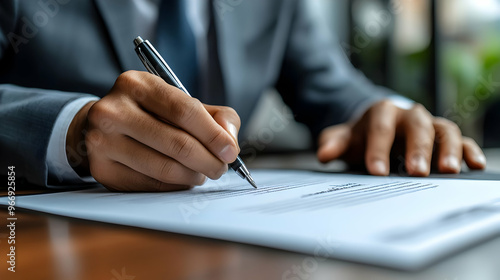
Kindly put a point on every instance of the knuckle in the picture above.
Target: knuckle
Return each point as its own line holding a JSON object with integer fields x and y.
{"x": 165, "y": 170}
{"x": 469, "y": 141}
{"x": 380, "y": 128}
{"x": 153, "y": 185}
{"x": 181, "y": 146}
{"x": 441, "y": 121}
{"x": 230, "y": 111}
{"x": 423, "y": 147}
{"x": 105, "y": 110}
{"x": 446, "y": 130}
{"x": 453, "y": 127}
{"x": 130, "y": 83}
{"x": 445, "y": 123}
{"x": 104, "y": 115}
{"x": 418, "y": 111}
{"x": 218, "y": 136}
{"x": 183, "y": 111}
{"x": 419, "y": 108}
{"x": 386, "y": 103}
{"x": 422, "y": 123}
{"x": 158, "y": 185}
{"x": 128, "y": 78}
{"x": 97, "y": 112}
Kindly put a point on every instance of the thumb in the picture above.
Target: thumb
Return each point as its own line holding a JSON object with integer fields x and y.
{"x": 227, "y": 118}
{"x": 333, "y": 142}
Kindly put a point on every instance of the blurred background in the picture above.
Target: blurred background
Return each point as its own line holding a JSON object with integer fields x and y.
{"x": 444, "y": 54}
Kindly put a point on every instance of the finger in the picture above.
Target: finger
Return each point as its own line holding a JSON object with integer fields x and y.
{"x": 116, "y": 176}
{"x": 190, "y": 115}
{"x": 153, "y": 164}
{"x": 381, "y": 130}
{"x": 420, "y": 136}
{"x": 449, "y": 141}
{"x": 333, "y": 142}
{"x": 473, "y": 155}
{"x": 119, "y": 177}
{"x": 187, "y": 113}
{"x": 227, "y": 118}
{"x": 194, "y": 119}
{"x": 174, "y": 143}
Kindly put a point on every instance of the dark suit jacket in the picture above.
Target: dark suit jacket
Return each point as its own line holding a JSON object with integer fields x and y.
{"x": 54, "y": 53}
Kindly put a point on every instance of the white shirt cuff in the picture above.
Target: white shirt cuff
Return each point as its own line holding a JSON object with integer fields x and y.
{"x": 402, "y": 102}
{"x": 57, "y": 161}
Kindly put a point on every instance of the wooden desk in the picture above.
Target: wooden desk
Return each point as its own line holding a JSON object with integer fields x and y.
{"x": 54, "y": 247}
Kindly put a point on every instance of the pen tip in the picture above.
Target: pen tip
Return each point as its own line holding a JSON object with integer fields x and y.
{"x": 251, "y": 181}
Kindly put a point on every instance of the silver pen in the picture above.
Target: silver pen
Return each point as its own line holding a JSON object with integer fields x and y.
{"x": 155, "y": 64}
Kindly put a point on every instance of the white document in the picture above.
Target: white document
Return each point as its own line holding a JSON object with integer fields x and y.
{"x": 398, "y": 222}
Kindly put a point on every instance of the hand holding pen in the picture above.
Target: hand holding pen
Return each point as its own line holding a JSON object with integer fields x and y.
{"x": 155, "y": 64}
{"x": 146, "y": 135}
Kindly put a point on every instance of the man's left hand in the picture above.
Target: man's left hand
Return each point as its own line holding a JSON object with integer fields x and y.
{"x": 384, "y": 126}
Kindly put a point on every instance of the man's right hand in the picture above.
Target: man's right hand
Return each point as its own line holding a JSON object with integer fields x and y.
{"x": 146, "y": 135}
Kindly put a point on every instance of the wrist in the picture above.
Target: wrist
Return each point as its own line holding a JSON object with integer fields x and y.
{"x": 76, "y": 150}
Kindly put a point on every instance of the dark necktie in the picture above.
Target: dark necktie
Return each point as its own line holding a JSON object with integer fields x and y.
{"x": 177, "y": 44}
{"x": 215, "y": 82}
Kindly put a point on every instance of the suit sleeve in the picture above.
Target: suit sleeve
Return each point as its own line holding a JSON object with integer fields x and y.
{"x": 317, "y": 80}
{"x": 27, "y": 115}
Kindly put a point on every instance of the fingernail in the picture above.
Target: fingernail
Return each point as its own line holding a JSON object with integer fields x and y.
{"x": 452, "y": 163}
{"x": 419, "y": 164}
{"x": 228, "y": 154}
{"x": 204, "y": 180}
{"x": 232, "y": 129}
{"x": 379, "y": 168}
{"x": 224, "y": 169}
{"x": 481, "y": 159}
{"x": 329, "y": 145}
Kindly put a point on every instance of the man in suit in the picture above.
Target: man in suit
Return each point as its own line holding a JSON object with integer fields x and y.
{"x": 71, "y": 107}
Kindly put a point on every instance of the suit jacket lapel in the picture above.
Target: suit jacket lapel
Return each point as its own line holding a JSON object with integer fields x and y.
{"x": 121, "y": 21}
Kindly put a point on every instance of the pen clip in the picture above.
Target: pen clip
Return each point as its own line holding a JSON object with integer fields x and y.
{"x": 149, "y": 49}
{"x": 146, "y": 62}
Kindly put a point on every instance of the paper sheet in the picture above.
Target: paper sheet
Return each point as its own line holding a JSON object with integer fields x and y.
{"x": 392, "y": 221}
